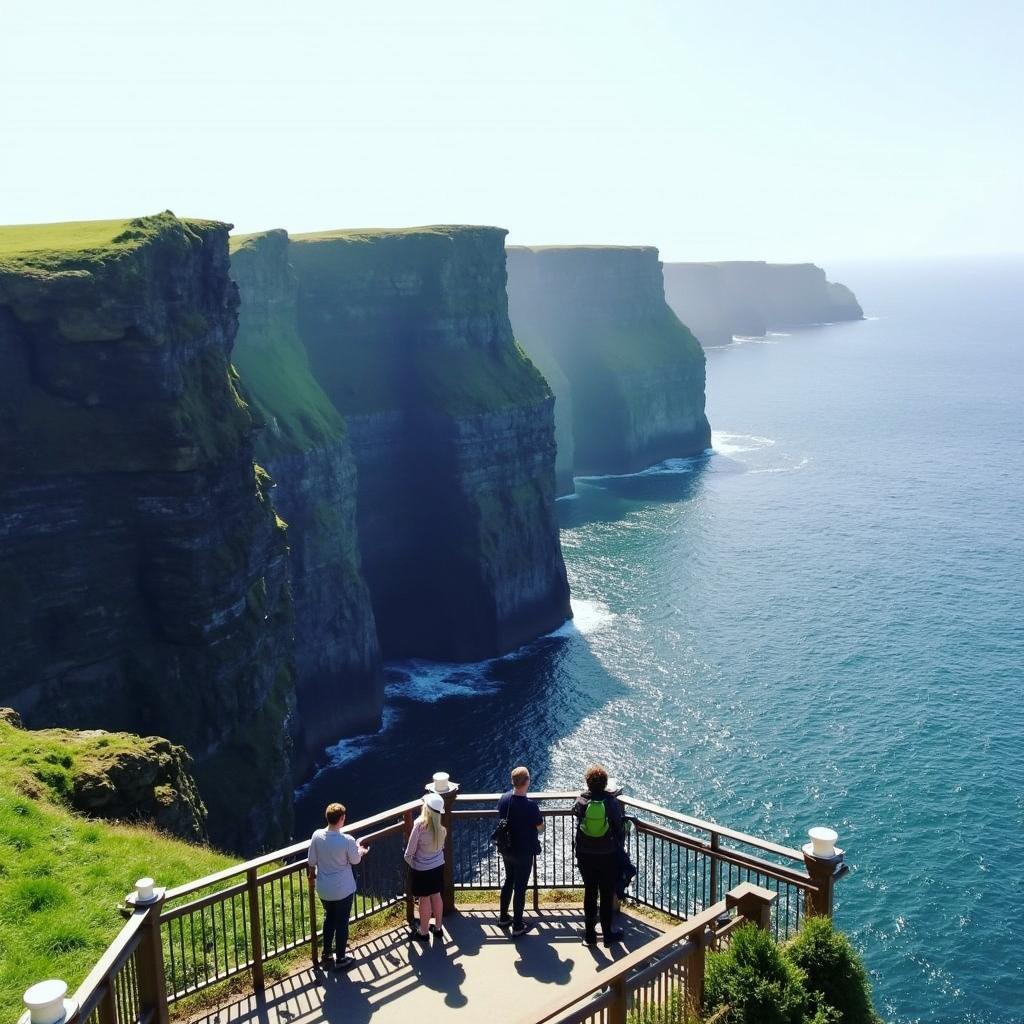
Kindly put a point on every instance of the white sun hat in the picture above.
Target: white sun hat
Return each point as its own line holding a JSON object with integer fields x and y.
{"x": 434, "y": 802}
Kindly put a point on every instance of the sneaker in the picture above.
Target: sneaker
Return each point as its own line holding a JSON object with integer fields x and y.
{"x": 327, "y": 960}
{"x": 418, "y": 936}
{"x": 613, "y": 936}
{"x": 589, "y": 940}
{"x": 344, "y": 963}
{"x": 439, "y": 932}
{"x": 520, "y": 929}
{"x": 504, "y": 922}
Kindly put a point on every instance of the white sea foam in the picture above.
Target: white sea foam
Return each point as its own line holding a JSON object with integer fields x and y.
{"x": 568, "y": 497}
{"x": 670, "y": 467}
{"x": 725, "y": 443}
{"x": 587, "y": 617}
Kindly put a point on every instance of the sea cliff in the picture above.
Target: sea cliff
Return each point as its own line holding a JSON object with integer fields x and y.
{"x": 452, "y": 430}
{"x": 631, "y": 375}
{"x": 303, "y": 442}
{"x": 720, "y": 300}
{"x": 144, "y": 570}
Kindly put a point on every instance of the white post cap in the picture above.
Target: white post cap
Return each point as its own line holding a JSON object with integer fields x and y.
{"x": 823, "y": 841}
{"x": 144, "y": 890}
{"x": 45, "y": 1001}
{"x": 441, "y": 783}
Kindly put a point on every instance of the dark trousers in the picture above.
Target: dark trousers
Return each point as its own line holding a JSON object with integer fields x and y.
{"x": 513, "y": 890}
{"x": 599, "y": 871}
{"x": 336, "y": 924}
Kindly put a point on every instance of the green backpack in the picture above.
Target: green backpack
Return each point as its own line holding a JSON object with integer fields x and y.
{"x": 594, "y": 823}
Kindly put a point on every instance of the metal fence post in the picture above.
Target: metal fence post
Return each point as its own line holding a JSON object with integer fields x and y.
{"x": 255, "y": 930}
{"x": 150, "y": 962}
{"x": 716, "y": 844}
{"x": 314, "y": 939}
{"x": 410, "y": 903}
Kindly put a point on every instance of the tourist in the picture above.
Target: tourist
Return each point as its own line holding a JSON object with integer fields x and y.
{"x": 524, "y": 823}
{"x": 599, "y": 838}
{"x": 329, "y": 864}
{"x": 424, "y": 854}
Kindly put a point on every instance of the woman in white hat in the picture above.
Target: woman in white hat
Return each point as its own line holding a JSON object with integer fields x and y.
{"x": 425, "y": 856}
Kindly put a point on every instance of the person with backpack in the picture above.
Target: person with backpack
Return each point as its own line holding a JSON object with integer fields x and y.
{"x": 520, "y": 825}
{"x": 599, "y": 838}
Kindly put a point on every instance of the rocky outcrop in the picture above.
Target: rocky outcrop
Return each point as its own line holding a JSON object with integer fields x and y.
{"x": 633, "y": 373}
{"x": 110, "y": 775}
{"x": 304, "y": 445}
{"x": 720, "y": 300}
{"x": 452, "y": 431}
{"x": 144, "y": 571}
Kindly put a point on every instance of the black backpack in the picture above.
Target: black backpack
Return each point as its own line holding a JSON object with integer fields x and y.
{"x": 502, "y": 834}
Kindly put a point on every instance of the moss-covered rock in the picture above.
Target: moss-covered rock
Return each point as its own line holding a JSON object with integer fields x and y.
{"x": 304, "y": 444}
{"x": 748, "y": 298}
{"x": 635, "y": 374}
{"x": 452, "y": 430}
{"x": 136, "y": 528}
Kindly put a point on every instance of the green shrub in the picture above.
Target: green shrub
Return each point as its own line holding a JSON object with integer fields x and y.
{"x": 756, "y": 982}
{"x": 835, "y": 975}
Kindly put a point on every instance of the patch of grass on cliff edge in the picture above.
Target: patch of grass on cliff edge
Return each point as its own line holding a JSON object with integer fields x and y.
{"x": 62, "y": 875}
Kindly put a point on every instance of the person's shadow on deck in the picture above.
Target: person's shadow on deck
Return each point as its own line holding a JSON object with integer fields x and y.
{"x": 436, "y": 969}
{"x": 539, "y": 960}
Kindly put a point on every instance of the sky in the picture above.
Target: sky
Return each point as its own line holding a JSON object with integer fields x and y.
{"x": 714, "y": 130}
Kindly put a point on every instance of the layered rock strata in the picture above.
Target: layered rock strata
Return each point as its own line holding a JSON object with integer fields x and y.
{"x": 304, "y": 445}
{"x": 720, "y": 300}
{"x": 634, "y": 375}
{"x": 453, "y": 434}
{"x": 144, "y": 570}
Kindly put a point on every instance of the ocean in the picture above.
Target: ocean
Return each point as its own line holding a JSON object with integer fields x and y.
{"x": 819, "y": 623}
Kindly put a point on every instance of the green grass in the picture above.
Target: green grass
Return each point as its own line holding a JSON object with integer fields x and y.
{"x": 62, "y": 875}
{"x": 72, "y": 245}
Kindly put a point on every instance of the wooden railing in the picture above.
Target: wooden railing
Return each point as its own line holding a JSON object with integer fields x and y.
{"x": 233, "y": 921}
{"x": 663, "y": 980}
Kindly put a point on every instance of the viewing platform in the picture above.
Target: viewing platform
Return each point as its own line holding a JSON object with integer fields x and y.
{"x": 241, "y": 946}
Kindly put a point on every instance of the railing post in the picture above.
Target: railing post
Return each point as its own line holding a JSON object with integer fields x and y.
{"x": 314, "y": 939}
{"x": 824, "y": 862}
{"x": 410, "y": 903}
{"x": 255, "y": 929}
{"x": 716, "y": 844}
{"x": 536, "y": 888}
{"x": 752, "y": 903}
{"x": 150, "y": 962}
{"x": 617, "y": 1007}
{"x": 695, "y": 973}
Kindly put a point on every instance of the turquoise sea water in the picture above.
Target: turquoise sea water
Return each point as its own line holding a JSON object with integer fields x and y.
{"x": 821, "y": 623}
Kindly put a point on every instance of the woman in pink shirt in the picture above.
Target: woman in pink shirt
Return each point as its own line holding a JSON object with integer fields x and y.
{"x": 425, "y": 856}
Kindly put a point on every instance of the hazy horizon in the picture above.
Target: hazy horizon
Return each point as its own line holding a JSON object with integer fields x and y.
{"x": 790, "y": 134}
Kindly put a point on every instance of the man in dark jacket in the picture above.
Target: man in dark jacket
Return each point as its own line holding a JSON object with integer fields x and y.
{"x": 524, "y": 825}
{"x": 599, "y": 837}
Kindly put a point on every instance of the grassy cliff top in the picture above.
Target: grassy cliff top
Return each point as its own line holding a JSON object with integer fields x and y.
{"x": 253, "y": 238}
{"x": 584, "y": 248}
{"x": 376, "y": 234}
{"x": 62, "y": 875}
{"x": 53, "y": 247}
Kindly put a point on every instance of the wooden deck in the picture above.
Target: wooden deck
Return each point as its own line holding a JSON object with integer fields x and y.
{"x": 478, "y": 973}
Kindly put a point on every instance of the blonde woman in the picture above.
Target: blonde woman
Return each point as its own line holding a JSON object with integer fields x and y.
{"x": 425, "y": 856}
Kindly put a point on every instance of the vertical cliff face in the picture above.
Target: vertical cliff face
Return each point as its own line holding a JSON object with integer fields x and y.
{"x": 452, "y": 431}
{"x": 304, "y": 444}
{"x": 719, "y": 300}
{"x": 144, "y": 571}
{"x": 635, "y": 373}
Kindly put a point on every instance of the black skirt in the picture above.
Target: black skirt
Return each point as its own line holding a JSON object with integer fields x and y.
{"x": 426, "y": 883}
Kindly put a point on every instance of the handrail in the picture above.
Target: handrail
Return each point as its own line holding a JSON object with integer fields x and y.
{"x": 289, "y": 851}
{"x": 116, "y": 953}
{"x": 623, "y": 967}
{"x": 708, "y": 826}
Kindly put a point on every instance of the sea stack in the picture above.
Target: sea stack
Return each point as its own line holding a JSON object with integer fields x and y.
{"x": 144, "y": 568}
{"x": 452, "y": 430}
{"x": 720, "y": 300}
{"x": 303, "y": 443}
{"x": 631, "y": 373}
